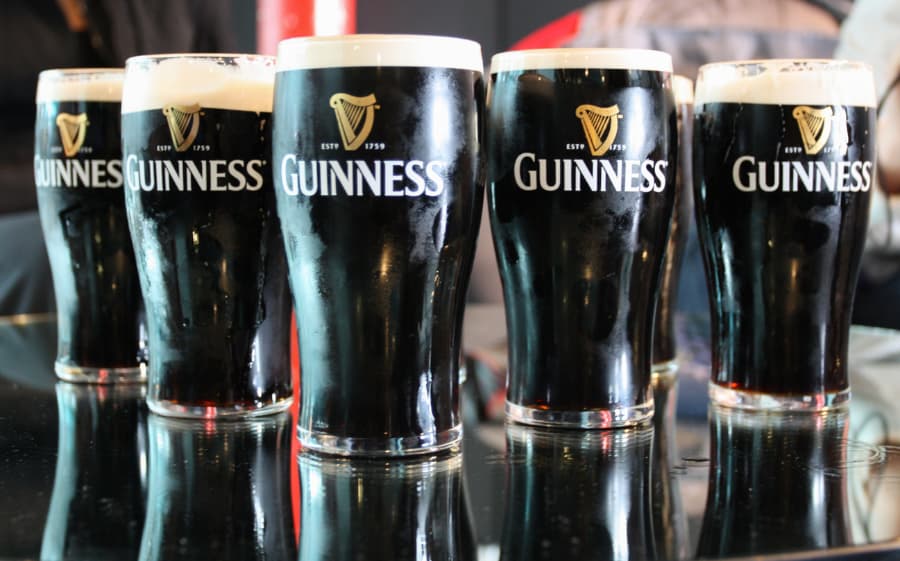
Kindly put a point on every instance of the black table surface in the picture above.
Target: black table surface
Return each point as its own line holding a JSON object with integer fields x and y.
{"x": 87, "y": 473}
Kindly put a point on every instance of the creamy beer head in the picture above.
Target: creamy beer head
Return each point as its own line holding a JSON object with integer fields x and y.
{"x": 80, "y": 84}
{"x": 235, "y": 82}
{"x": 787, "y": 82}
{"x": 608, "y": 59}
{"x": 379, "y": 50}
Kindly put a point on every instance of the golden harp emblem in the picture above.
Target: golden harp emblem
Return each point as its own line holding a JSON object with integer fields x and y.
{"x": 184, "y": 124}
{"x": 600, "y": 124}
{"x": 355, "y": 117}
{"x": 817, "y": 125}
{"x": 72, "y": 129}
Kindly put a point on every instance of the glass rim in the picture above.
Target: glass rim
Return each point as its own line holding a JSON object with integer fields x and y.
{"x": 80, "y": 72}
{"x": 379, "y": 50}
{"x": 378, "y": 38}
{"x": 599, "y": 58}
{"x": 815, "y": 62}
{"x": 137, "y": 59}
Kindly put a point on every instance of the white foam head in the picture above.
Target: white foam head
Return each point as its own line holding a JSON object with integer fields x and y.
{"x": 80, "y": 84}
{"x": 682, "y": 89}
{"x": 787, "y": 82}
{"x": 217, "y": 81}
{"x": 582, "y": 58}
{"x": 347, "y": 51}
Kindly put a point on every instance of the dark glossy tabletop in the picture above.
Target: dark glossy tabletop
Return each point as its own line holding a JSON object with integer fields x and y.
{"x": 87, "y": 473}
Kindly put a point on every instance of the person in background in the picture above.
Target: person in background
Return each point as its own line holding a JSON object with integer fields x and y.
{"x": 41, "y": 34}
{"x": 872, "y": 34}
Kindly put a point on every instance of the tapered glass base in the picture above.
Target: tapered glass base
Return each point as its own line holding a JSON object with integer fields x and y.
{"x": 379, "y": 447}
{"x": 92, "y": 375}
{"x": 614, "y": 417}
{"x": 192, "y": 411}
{"x": 742, "y": 399}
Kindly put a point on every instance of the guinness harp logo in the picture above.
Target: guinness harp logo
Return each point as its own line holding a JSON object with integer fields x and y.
{"x": 184, "y": 124}
{"x": 355, "y": 117}
{"x": 71, "y": 132}
{"x": 600, "y": 124}
{"x": 817, "y": 125}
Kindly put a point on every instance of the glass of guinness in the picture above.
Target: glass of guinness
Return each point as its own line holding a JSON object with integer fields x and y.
{"x": 375, "y": 147}
{"x": 783, "y": 163}
{"x": 201, "y": 207}
{"x": 78, "y": 175}
{"x": 664, "y": 340}
{"x": 581, "y": 156}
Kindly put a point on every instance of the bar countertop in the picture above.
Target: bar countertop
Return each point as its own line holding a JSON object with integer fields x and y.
{"x": 87, "y": 473}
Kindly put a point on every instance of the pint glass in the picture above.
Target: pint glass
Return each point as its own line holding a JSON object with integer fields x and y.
{"x": 581, "y": 155}
{"x": 374, "y": 146}
{"x": 201, "y": 208}
{"x": 664, "y": 339}
{"x": 78, "y": 175}
{"x": 783, "y": 164}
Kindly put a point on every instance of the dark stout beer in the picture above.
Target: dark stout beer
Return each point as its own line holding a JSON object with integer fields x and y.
{"x": 375, "y": 145}
{"x": 581, "y": 170}
{"x": 783, "y": 165}
{"x": 220, "y": 490}
{"x": 196, "y": 144}
{"x": 395, "y": 510}
{"x": 78, "y": 174}
{"x": 777, "y": 483}
{"x": 664, "y": 350}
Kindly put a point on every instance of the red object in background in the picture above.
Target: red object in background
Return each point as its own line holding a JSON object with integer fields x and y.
{"x": 555, "y": 34}
{"x": 280, "y": 19}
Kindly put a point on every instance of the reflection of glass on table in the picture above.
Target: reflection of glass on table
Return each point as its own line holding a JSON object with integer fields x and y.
{"x": 865, "y": 464}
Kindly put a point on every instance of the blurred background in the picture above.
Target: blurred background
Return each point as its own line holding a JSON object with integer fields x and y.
{"x": 496, "y": 24}
{"x": 38, "y": 34}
